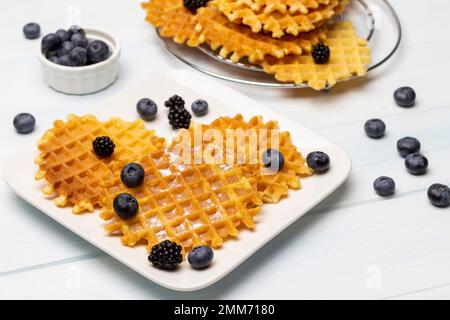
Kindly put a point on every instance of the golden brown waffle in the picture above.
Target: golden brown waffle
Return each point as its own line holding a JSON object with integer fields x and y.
{"x": 283, "y": 6}
{"x": 271, "y": 186}
{"x": 275, "y": 22}
{"x": 74, "y": 174}
{"x": 237, "y": 41}
{"x": 350, "y": 56}
{"x": 173, "y": 20}
{"x": 189, "y": 204}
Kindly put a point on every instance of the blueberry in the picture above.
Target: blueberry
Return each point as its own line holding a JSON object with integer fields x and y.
{"x": 439, "y": 195}
{"x": 50, "y": 54}
{"x": 201, "y": 257}
{"x": 405, "y": 97}
{"x": 98, "y": 51}
{"x": 375, "y": 128}
{"x": 63, "y": 35}
{"x": 125, "y": 205}
{"x": 50, "y": 42}
{"x": 132, "y": 175}
{"x": 318, "y": 161}
{"x": 76, "y": 29}
{"x": 78, "y": 57}
{"x": 64, "y": 61}
{"x": 147, "y": 109}
{"x": 79, "y": 40}
{"x": 384, "y": 186}
{"x": 416, "y": 163}
{"x": 24, "y": 123}
{"x": 32, "y": 30}
{"x": 408, "y": 145}
{"x": 54, "y": 59}
{"x": 274, "y": 159}
{"x": 66, "y": 48}
{"x": 199, "y": 107}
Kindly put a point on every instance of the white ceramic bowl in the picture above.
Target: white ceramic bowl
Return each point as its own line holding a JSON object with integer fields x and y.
{"x": 86, "y": 79}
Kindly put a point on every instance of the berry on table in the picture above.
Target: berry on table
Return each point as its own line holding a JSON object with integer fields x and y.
{"x": 32, "y": 30}
{"x": 65, "y": 48}
{"x": 50, "y": 42}
{"x": 199, "y": 107}
{"x": 405, "y": 97}
{"x": 125, "y": 205}
{"x": 63, "y": 35}
{"x": 408, "y": 145}
{"x": 384, "y": 186}
{"x": 78, "y": 57}
{"x": 193, "y": 5}
{"x": 132, "y": 175}
{"x": 166, "y": 255}
{"x": 147, "y": 109}
{"x": 439, "y": 195}
{"x": 375, "y": 128}
{"x": 103, "y": 146}
{"x": 416, "y": 163}
{"x": 201, "y": 257}
{"x": 174, "y": 101}
{"x": 321, "y": 53}
{"x": 179, "y": 118}
{"x": 274, "y": 159}
{"x": 97, "y": 51}
{"x": 318, "y": 161}
{"x": 79, "y": 40}
{"x": 24, "y": 123}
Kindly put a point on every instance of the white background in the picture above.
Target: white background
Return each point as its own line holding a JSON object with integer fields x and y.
{"x": 354, "y": 245}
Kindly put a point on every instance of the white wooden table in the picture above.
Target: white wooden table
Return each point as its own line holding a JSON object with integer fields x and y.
{"x": 354, "y": 245}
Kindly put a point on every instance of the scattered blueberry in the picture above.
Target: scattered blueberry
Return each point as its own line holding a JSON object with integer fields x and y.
{"x": 408, "y": 145}
{"x": 24, "y": 123}
{"x": 50, "y": 42}
{"x": 384, "y": 186}
{"x": 321, "y": 53}
{"x": 132, "y": 175}
{"x": 405, "y": 97}
{"x": 274, "y": 159}
{"x": 201, "y": 257}
{"x": 147, "y": 109}
{"x": 76, "y": 29}
{"x": 416, "y": 163}
{"x": 64, "y": 61}
{"x": 199, "y": 107}
{"x": 63, "y": 35}
{"x": 125, "y": 205}
{"x": 439, "y": 195}
{"x": 98, "y": 51}
{"x": 66, "y": 48}
{"x": 103, "y": 146}
{"x": 79, "y": 40}
{"x": 32, "y": 30}
{"x": 78, "y": 57}
{"x": 318, "y": 161}
{"x": 375, "y": 128}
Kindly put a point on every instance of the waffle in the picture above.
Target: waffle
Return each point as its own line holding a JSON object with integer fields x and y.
{"x": 237, "y": 41}
{"x": 74, "y": 174}
{"x": 271, "y": 187}
{"x": 350, "y": 56}
{"x": 284, "y": 6}
{"x": 276, "y": 23}
{"x": 189, "y": 204}
{"x": 173, "y": 20}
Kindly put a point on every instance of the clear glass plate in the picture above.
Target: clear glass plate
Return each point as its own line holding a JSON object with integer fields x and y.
{"x": 376, "y": 20}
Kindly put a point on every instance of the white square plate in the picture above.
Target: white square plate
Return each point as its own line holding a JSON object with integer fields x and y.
{"x": 223, "y": 101}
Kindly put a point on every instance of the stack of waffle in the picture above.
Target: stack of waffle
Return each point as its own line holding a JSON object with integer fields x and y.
{"x": 277, "y": 35}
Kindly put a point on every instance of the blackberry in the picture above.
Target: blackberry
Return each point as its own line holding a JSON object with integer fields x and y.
{"x": 193, "y": 5}
{"x": 103, "y": 146}
{"x": 175, "y": 101}
{"x": 166, "y": 255}
{"x": 321, "y": 53}
{"x": 179, "y": 118}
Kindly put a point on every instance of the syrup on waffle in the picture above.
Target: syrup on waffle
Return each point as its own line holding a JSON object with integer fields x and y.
{"x": 74, "y": 174}
{"x": 350, "y": 56}
{"x": 189, "y": 204}
{"x": 271, "y": 186}
{"x": 276, "y": 23}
